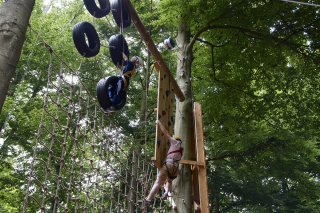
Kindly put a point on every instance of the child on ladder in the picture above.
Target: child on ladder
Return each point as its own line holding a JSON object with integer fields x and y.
{"x": 169, "y": 169}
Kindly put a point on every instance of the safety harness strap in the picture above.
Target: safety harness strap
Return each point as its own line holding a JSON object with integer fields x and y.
{"x": 176, "y": 165}
{"x": 128, "y": 74}
{"x": 125, "y": 84}
{"x": 176, "y": 151}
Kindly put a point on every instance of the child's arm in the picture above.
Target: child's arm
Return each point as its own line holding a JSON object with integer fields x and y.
{"x": 164, "y": 131}
{"x": 124, "y": 57}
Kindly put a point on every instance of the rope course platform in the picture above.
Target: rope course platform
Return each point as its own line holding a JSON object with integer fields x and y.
{"x": 82, "y": 162}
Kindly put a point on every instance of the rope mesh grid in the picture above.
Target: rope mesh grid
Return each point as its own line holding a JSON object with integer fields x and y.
{"x": 81, "y": 161}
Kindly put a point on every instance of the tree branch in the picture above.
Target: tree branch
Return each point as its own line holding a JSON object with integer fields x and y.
{"x": 207, "y": 26}
{"x": 214, "y": 70}
{"x": 258, "y": 147}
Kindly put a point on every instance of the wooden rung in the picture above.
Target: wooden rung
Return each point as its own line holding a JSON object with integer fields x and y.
{"x": 155, "y": 110}
{"x": 190, "y": 162}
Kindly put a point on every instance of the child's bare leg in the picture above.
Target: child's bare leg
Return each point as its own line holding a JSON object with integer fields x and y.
{"x": 162, "y": 176}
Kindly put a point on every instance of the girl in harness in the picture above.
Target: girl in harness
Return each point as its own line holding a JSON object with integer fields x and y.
{"x": 169, "y": 169}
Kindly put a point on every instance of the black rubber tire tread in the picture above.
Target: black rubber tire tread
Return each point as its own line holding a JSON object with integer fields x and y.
{"x": 78, "y": 33}
{"x": 117, "y": 45}
{"x": 116, "y": 12}
{"x": 96, "y": 11}
{"x": 102, "y": 93}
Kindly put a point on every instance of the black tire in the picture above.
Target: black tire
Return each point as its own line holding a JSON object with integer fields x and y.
{"x": 78, "y": 33}
{"x": 117, "y": 9}
{"x": 102, "y": 93}
{"x": 95, "y": 11}
{"x": 117, "y": 45}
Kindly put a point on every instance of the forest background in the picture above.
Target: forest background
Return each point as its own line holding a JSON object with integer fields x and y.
{"x": 252, "y": 65}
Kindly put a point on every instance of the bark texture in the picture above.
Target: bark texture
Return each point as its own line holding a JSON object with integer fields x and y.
{"x": 184, "y": 122}
{"x": 14, "y": 19}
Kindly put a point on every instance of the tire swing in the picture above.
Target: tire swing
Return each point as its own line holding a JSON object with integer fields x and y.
{"x": 94, "y": 10}
{"x": 117, "y": 45}
{"x": 103, "y": 93}
{"x": 78, "y": 33}
{"x": 119, "y": 9}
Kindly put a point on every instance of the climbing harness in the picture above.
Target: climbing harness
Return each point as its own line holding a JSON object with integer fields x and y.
{"x": 176, "y": 166}
{"x": 177, "y": 151}
{"x": 128, "y": 74}
{"x": 174, "y": 162}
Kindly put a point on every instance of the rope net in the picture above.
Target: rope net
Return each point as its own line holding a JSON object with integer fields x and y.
{"x": 82, "y": 162}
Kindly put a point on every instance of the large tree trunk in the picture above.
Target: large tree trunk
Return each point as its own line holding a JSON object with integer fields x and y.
{"x": 14, "y": 19}
{"x": 184, "y": 122}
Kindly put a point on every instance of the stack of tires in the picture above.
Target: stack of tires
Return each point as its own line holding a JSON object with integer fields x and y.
{"x": 87, "y": 42}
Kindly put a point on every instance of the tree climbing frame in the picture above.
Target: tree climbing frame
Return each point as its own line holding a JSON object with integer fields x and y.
{"x": 167, "y": 88}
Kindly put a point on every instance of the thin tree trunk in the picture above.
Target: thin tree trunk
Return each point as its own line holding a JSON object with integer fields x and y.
{"x": 184, "y": 122}
{"x": 133, "y": 184}
{"x": 217, "y": 205}
{"x": 14, "y": 19}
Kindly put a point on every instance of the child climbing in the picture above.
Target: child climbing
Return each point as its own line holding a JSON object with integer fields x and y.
{"x": 124, "y": 79}
{"x": 169, "y": 169}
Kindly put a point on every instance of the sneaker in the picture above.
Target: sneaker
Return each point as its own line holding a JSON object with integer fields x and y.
{"x": 146, "y": 202}
{"x": 164, "y": 196}
{"x": 110, "y": 109}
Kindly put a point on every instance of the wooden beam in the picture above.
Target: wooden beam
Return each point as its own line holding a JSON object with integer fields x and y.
{"x": 202, "y": 173}
{"x": 153, "y": 49}
{"x": 190, "y": 162}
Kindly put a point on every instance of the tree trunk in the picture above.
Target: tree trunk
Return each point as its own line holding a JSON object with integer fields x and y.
{"x": 184, "y": 122}
{"x": 14, "y": 19}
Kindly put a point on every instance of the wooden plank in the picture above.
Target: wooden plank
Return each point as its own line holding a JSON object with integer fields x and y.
{"x": 153, "y": 49}
{"x": 191, "y": 162}
{"x": 202, "y": 173}
{"x": 165, "y": 115}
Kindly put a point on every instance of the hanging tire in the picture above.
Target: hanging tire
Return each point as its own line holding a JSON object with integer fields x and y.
{"x": 117, "y": 45}
{"x": 95, "y": 11}
{"x": 78, "y": 33}
{"x": 103, "y": 96}
{"x": 118, "y": 8}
